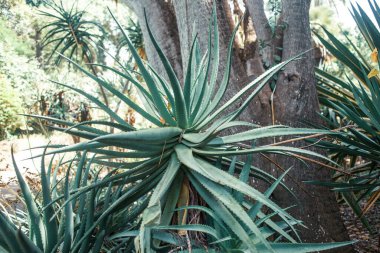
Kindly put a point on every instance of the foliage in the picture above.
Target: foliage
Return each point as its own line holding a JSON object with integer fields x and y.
{"x": 28, "y": 74}
{"x": 159, "y": 175}
{"x": 135, "y": 35}
{"x": 10, "y": 108}
{"x": 325, "y": 17}
{"x": 28, "y": 84}
{"x": 22, "y": 74}
{"x": 354, "y": 104}
{"x": 10, "y": 39}
{"x": 70, "y": 33}
{"x": 34, "y": 3}
{"x": 274, "y": 9}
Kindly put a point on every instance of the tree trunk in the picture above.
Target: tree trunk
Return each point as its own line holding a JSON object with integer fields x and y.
{"x": 197, "y": 14}
{"x": 295, "y": 97}
{"x": 162, "y": 21}
{"x": 294, "y": 103}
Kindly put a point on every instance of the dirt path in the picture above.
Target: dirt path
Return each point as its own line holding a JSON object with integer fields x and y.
{"x": 29, "y": 167}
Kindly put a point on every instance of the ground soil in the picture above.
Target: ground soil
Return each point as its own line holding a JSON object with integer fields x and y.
{"x": 366, "y": 242}
{"x": 29, "y": 168}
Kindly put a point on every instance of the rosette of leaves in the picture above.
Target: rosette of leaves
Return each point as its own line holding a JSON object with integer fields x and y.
{"x": 70, "y": 33}
{"x": 353, "y": 104}
{"x": 136, "y": 37}
{"x": 143, "y": 203}
{"x": 34, "y": 3}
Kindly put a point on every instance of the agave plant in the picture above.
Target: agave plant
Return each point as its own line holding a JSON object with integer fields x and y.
{"x": 183, "y": 163}
{"x": 69, "y": 33}
{"x": 136, "y": 37}
{"x": 34, "y": 3}
{"x": 354, "y": 104}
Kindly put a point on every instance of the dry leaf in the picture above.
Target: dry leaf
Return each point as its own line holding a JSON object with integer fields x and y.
{"x": 374, "y": 55}
{"x": 374, "y": 72}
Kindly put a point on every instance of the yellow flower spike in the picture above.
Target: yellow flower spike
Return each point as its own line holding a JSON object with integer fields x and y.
{"x": 374, "y": 55}
{"x": 374, "y": 72}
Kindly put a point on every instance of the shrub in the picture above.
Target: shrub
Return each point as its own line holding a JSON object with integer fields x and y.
{"x": 10, "y": 108}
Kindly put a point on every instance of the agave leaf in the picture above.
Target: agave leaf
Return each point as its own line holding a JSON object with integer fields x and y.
{"x": 25, "y": 243}
{"x": 84, "y": 240}
{"x": 263, "y": 218}
{"x": 204, "y": 168}
{"x": 215, "y": 55}
{"x": 142, "y": 170}
{"x": 350, "y": 198}
{"x": 157, "y": 98}
{"x": 36, "y": 226}
{"x": 129, "y": 197}
{"x": 222, "y": 211}
{"x": 111, "y": 113}
{"x": 180, "y": 104}
{"x": 172, "y": 199}
{"x": 259, "y": 82}
{"x": 151, "y": 135}
{"x": 51, "y": 225}
{"x": 190, "y": 227}
{"x": 283, "y": 150}
{"x": 263, "y": 132}
{"x": 127, "y": 76}
{"x": 80, "y": 126}
{"x": 256, "y": 207}
{"x": 189, "y": 78}
{"x": 152, "y": 214}
{"x": 231, "y": 203}
{"x": 226, "y": 76}
{"x": 69, "y": 218}
{"x": 166, "y": 180}
{"x": 8, "y": 235}
{"x": 117, "y": 93}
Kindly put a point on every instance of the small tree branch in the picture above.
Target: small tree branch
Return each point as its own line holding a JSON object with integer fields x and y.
{"x": 253, "y": 61}
{"x": 262, "y": 28}
{"x": 278, "y": 38}
{"x": 231, "y": 23}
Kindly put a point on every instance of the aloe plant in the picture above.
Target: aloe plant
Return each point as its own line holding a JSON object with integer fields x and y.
{"x": 353, "y": 105}
{"x": 144, "y": 202}
{"x": 70, "y": 33}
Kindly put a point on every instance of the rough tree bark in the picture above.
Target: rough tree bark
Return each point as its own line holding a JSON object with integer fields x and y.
{"x": 163, "y": 22}
{"x": 296, "y": 101}
{"x": 197, "y": 14}
{"x": 295, "y": 97}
